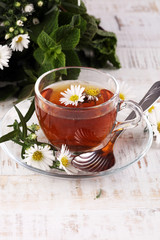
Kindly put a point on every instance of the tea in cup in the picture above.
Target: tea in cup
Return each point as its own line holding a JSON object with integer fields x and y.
{"x": 78, "y": 106}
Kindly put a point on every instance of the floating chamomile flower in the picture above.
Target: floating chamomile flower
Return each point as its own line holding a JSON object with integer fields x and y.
{"x": 73, "y": 95}
{"x": 64, "y": 157}
{"x": 20, "y": 42}
{"x": 92, "y": 93}
{"x": 5, "y": 54}
{"x": 39, "y": 157}
{"x": 153, "y": 115}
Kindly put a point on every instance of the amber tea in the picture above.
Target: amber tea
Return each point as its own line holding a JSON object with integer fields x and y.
{"x": 77, "y": 115}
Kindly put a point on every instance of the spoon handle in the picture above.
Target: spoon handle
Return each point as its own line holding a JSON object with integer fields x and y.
{"x": 147, "y": 101}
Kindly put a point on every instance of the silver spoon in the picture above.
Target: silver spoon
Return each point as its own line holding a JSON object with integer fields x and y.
{"x": 103, "y": 159}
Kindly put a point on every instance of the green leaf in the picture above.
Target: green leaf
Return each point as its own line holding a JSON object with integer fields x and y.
{"x": 71, "y": 39}
{"x": 30, "y": 112}
{"x": 44, "y": 41}
{"x": 26, "y": 92}
{"x": 3, "y": 5}
{"x": 8, "y": 136}
{"x": 39, "y": 55}
{"x": 99, "y": 194}
{"x": 49, "y": 24}
{"x": 75, "y": 21}
{"x": 72, "y": 58}
{"x": 79, "y": 22}
{"x": 91, "y": 29}
{"x": 60, "y": 61}
{"x": 72, "y": 6}
{"x": 23, "y": 122}
{"x": 31, "y": 74}
{"x": 113, "y": 58}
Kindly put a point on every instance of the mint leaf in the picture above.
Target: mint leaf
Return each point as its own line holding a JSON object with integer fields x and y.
{"x": 71, "y": 39}
{"x": 72, "y": 58}
{"x": 72, "y": 6}
{"x": 91, "y": 29}
{"x": 79, "y": 22}
{"x": 66, "y": 18}
{"x": 49, "y": 24}
{"x": 45, "y": 41}
{"x": 60, "y": 61}
{"x": 39, "y": 55}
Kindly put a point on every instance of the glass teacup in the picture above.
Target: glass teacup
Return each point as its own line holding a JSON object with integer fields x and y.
{"x": 78, "y": 106}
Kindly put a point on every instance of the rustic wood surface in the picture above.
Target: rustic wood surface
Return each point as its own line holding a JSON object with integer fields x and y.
{"x": 44, "y": 208}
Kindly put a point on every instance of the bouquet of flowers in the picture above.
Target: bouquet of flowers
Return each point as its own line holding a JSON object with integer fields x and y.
{"x": 39, "y": 35}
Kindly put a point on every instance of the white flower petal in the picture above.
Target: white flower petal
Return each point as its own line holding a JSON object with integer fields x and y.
{"x": 44, "y": 162}
{"x": 64, "y": 152}
{"x": 73, "y": 91}
{"x": 153, "y": 116}
{"x": 20, "y": 42}
{"x": 5, "y": 55}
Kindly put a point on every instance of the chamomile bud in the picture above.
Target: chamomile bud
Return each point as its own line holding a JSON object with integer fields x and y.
{"x": 10, "y": 11}
{"x": 6, "y": 23}
{"x": 21, "y": 30}
{"x": 16, "y": 32}
{"x": 40, "y": 3}
{"x": 32, "y": 136}
{"x": 23, "y": 18}
{"x": 7, "y": 36}
{"x": 2, "y": 24}
{"x": 11, "y": 29}
{"x": 17, "y": 4}
{"x": 35, "y": 21}
{"x": 19, "y": 23}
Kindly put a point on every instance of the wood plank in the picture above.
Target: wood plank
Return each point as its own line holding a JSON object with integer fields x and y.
{"x": 109, "y": 225}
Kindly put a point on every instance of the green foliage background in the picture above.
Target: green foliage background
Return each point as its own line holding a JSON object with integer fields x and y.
{"x": 66, "y": 36}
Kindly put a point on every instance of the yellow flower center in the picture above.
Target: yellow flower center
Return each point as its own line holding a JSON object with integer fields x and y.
{"x": 37, "y": 156}
{"x": 92, "y": 91}
{"x": 158, "y": 127}
{"x": 64, "y": 161}
{"x": 121, "y": 96}
{"x": 74, "y": 98}
{"x": 19, "y": 40}
{"x": 151, "y": 109}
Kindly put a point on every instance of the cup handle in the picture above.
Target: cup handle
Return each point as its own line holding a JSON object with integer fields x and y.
{"x": 133, "y": 119}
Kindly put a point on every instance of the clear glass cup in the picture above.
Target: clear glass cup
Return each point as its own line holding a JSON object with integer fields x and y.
{"x": 83, "y": 128}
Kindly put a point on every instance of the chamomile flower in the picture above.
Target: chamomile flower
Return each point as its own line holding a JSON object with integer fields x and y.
{"x": 92, "y": 93}
{"x": 35, "y": 21}
{"x": 40, "y": 3}
{"x": 20, "y": 42}
{"x": 5, "y": 54}
{"x": 153, "y": 115}
{"x": 125, "y": 91}
{"x": 73, "y": 95}
{"x": 39, "y": 157}
{"x": 20, "y": 23}
{"x": 29, "y": 8}
{"x": 64, "y": 157}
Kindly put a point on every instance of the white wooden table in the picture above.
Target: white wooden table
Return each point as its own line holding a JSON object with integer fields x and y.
{"x": 33, "y": 206}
